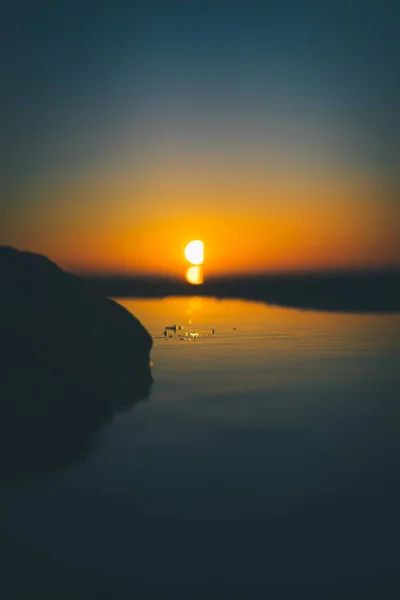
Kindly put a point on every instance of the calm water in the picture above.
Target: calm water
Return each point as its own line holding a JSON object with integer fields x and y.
{"x": 268, "y": 450}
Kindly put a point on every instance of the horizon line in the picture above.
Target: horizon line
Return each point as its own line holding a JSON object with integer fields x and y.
{"x": 381, "y": 270}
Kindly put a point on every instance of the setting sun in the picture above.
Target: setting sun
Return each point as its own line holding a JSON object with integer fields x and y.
{"x": 194, "y": 252}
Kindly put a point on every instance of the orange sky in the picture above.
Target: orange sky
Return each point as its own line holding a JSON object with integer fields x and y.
{"x": 249, "y": 221}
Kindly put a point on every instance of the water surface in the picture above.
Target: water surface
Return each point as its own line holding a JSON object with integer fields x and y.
{"x": 268, "y": 451}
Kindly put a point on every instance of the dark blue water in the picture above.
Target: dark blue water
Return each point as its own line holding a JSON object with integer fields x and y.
{"x": 266, "y": 458}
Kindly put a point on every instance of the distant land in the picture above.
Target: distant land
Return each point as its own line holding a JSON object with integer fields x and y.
{"x": 359, "y": 291}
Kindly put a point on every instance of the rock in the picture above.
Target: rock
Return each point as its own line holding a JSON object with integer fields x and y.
{"x": 69, "y": 358}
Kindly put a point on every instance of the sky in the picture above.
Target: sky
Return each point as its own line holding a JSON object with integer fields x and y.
{"x": 269, "y": 130}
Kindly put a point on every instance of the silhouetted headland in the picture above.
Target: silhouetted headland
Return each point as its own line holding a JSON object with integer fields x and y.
{"x": 69, "y": 358}
{"x": 363, "y": 291}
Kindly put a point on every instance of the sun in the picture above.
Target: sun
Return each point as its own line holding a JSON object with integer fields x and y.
{"x": 194, "y": 252}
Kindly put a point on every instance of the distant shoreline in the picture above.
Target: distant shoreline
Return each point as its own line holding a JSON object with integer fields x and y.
{"x": 361, "y": 292}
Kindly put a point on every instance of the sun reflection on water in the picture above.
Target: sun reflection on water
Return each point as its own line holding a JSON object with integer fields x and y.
{"x": 195, "y": 275}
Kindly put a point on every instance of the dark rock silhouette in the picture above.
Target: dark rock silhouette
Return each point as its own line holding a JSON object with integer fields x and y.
{"x": 69, "y": 358}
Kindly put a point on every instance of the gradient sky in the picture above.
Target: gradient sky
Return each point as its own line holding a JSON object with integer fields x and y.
{"x": 268, "y": 130}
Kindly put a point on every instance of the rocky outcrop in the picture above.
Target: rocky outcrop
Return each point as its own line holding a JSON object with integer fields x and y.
{"x": 69, "y": 358}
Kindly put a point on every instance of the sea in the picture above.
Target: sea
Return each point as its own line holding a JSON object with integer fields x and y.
{"x": 264, "y": 463}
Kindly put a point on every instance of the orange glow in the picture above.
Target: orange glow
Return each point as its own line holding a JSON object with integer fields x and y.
{"x": 247, "y": 222}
